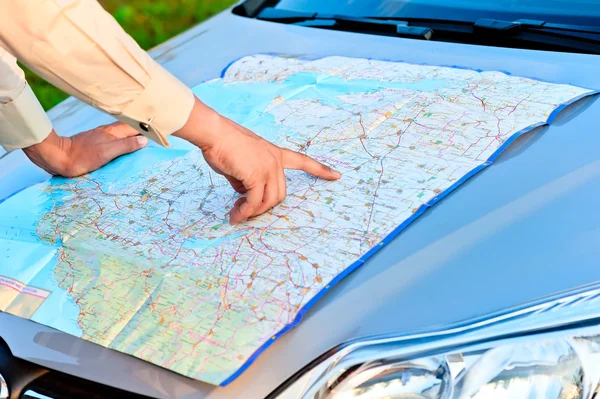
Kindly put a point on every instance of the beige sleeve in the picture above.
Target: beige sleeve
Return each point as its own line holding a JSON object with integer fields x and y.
{"x": 23, "y": 121}
{"x": 77, "y": 46}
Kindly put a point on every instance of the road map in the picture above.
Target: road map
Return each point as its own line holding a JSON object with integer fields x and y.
{"x": 139, "y": 256}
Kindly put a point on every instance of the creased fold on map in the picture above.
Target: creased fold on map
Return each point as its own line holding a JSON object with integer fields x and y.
{"x": 127, "y": 331}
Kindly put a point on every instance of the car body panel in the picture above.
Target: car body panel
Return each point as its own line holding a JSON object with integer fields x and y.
{"x": 526, "y": 227}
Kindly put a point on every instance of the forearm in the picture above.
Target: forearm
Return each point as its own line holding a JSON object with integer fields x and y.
{"x": 81, "y": 49}
{"x": 23, "y": 122}
{"x": 203, "y": 126}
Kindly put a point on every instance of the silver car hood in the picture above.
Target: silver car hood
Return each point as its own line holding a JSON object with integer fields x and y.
{"x": 525, "y": 228}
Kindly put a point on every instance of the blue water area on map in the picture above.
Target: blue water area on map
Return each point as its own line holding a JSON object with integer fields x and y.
{"x": 58, "y": 310}
{"x": 338, "y": 85}
{"x": 266, "y": 127}
{"x": 20, "y": 240}
{"x": 17, "y": 253}
{"x": 22, "y": 245}
{"x": 238, "y": 103}
{"x": 246, "y": 106}
{"x": 32, "y": 261}
{"x": 130, "y": 165}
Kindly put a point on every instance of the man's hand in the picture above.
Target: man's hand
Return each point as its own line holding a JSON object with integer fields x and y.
{"x": 252, "y": 165}
{"x": 84, "y": 152}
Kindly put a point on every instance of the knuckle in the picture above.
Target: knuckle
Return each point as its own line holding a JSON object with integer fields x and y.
{"x": 271, "y": 161}
{"x": 253, "y": 181}
{"x": 112, "y": 127}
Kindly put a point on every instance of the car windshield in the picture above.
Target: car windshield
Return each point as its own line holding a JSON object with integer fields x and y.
{"x": 572, "y": 12}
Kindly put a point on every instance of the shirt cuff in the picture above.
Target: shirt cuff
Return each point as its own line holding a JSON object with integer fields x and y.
{"x": 23, "y": 121}
{"x": 161, "y": 109}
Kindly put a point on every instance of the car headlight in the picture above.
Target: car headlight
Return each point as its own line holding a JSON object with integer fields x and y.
{"x": 546, "y": 350}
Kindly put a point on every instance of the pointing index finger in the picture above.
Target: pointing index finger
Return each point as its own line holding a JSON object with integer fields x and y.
{"x": 298, "y": 161}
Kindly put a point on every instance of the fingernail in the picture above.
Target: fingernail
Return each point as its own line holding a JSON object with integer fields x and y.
{"x": 335, "y": 172}
{"x": 142, "y": 140}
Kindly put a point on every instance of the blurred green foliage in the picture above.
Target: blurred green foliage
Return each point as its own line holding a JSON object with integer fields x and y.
{"x": 149, "y": 22}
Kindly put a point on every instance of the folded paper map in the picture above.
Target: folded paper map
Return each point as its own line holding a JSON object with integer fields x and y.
{"x": 139, "y": 256}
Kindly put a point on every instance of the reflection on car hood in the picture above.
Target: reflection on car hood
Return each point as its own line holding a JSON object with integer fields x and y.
{"x": 524, "y": 228}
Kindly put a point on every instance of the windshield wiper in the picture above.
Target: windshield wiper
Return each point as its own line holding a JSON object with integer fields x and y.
{"x": 391, "y": 27}
{"x": 536, "y": 34}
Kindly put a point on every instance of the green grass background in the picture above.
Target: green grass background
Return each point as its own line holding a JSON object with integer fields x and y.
{"x": 149, "y": 22}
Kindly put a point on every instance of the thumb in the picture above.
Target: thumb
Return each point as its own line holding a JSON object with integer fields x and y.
{"x": 123, "y": 146}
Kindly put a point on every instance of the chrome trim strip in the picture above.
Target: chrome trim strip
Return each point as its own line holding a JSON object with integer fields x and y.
{"x": 486, "y": 321}
{"x": 34, "y": 395}
{"x": 3, "y": 388}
